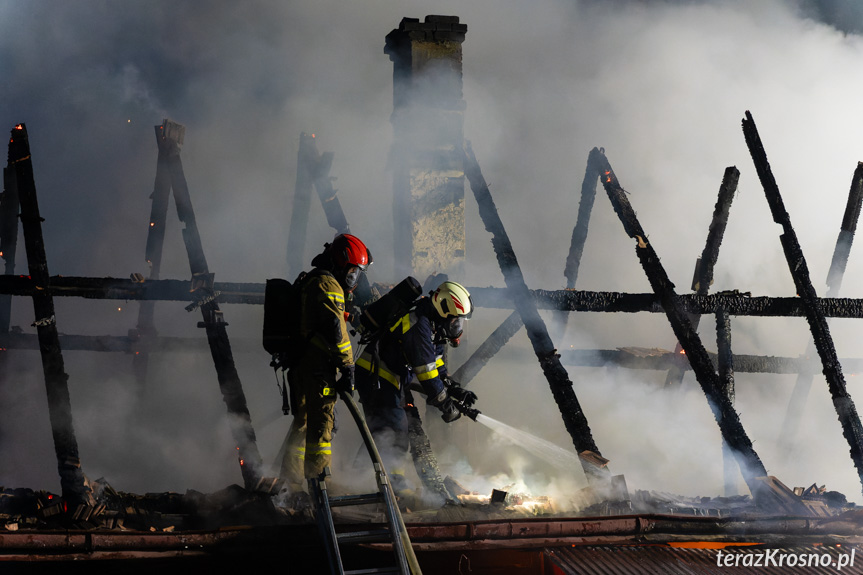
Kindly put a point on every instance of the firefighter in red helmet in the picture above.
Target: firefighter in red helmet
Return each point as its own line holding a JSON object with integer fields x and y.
{"x": 327, "y": 353}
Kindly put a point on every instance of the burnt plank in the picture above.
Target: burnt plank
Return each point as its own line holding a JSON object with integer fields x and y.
{"x": 169, "y": 140}
{"x": 561, "y": 387}
{"x": 794, "y": 412}
{"x": 832, "y": 370}
{"x": 723, "y": 411}
{"x": 56, "y": 386}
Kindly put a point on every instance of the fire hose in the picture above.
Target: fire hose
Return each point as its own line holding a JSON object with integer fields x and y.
{"x": 405, "y": 551}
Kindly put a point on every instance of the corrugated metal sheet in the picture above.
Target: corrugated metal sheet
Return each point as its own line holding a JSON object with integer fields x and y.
{"x": 662, "y": 559}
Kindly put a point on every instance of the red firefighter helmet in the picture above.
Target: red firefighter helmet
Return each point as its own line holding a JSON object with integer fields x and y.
{"x": 347, "y": 250}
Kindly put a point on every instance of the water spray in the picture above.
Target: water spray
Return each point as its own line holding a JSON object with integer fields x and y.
{"x": 539, "y": 447}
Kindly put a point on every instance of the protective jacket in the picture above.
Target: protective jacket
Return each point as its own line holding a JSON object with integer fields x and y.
{"x": 407, "y": 347}
{"x": 322, "y": 319}
{"x": 308, "y": 447}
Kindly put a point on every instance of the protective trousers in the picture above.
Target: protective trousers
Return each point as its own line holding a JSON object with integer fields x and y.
{"x": 309, "y": 440}
{"x": 383, "y": 407}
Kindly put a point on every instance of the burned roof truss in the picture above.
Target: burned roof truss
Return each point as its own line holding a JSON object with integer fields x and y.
{"x": 713, "y": 372}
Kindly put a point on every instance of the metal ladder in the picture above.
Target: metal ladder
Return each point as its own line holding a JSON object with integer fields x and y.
{"x": 395, "y": 531}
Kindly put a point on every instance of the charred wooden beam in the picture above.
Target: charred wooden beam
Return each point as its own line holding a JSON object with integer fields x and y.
{"x": 8, "y": 247}
{"x": 579, "y": 232}
{"x": 703, "y": 276}
{"x": 145, "y": 330}
{"x": 662, "y": 360}
{"x": 423, "y": 456}
{"x": 300, "y": 209}
{"x": 726, "y": 381}
{"x": 727, "y": 418}
{"x": 59, "y": 404}
{"x": 319, "y": 165}
{"x": 161, "y": 197}
{"x": 558, "y": 380}
{"x": 705, "y": 264}
{"x": 744, "y": 363}
{"x": 582, "y": 221}
{"x": 626, "y": 358}
{"x": 488, "y": 349}
{"x": 846, "y": 233}
{"x": 842, "y": 402}
{"x": 8, "y": 239}
{"x": 130, "y": 344}
{"x": 794, "y": 413}
{"x": 169, "y": 140}
{"x": 132, "y": 289}
{"x": 736, "y": 303}
{"x": 314, "y": 169}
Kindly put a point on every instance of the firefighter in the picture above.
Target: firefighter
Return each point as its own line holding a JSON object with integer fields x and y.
{"x": 411, "y": 348}
{"x": 327, "y": 352}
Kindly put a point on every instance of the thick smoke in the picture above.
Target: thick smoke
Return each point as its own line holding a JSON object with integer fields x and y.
{"x": 662, "y": 86}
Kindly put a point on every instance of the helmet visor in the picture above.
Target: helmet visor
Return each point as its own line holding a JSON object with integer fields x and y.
{"x": 453, "y": 327}
{"x": 352, "y": 277}
{"x": 369, "y": 261}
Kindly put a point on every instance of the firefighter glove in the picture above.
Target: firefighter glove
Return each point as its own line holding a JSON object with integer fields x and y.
{"x": 461, "y": 395}
{"x": 346, "y": 381}
{"x": 352, "y": 316}
{"x": 449, "y": 412}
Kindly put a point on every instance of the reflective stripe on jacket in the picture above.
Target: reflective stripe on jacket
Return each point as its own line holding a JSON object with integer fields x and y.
{"x": 408, "y": 346}
{"x": 366, "y": 362}
{"x": 322, "y": 321}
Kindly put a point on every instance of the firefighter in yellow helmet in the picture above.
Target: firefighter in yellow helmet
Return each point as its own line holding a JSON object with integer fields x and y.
{"x": 327, "y": 352}
{"x": 412, "y": 348}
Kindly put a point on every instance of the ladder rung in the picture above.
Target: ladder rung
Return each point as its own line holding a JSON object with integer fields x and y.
{"x": 370, "y": 571}
{"x": 343, "y": 500}
{"x": 354, "y": 537}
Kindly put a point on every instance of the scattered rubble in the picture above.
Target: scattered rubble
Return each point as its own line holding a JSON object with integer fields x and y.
{"x": 164, "y": 512}
{"x": 26, "y": 509}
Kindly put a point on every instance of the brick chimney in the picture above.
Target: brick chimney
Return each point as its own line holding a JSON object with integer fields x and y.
{"x": 428, "y": 121}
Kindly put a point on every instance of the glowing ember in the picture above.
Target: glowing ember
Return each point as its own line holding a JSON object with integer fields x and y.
{"x": 527, "y": 504}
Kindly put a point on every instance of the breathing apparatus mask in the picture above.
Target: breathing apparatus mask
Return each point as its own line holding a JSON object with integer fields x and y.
{"x": 453, "y": 305}
{"x": 449, "y": 330}
{"x": 352, "y": 277}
